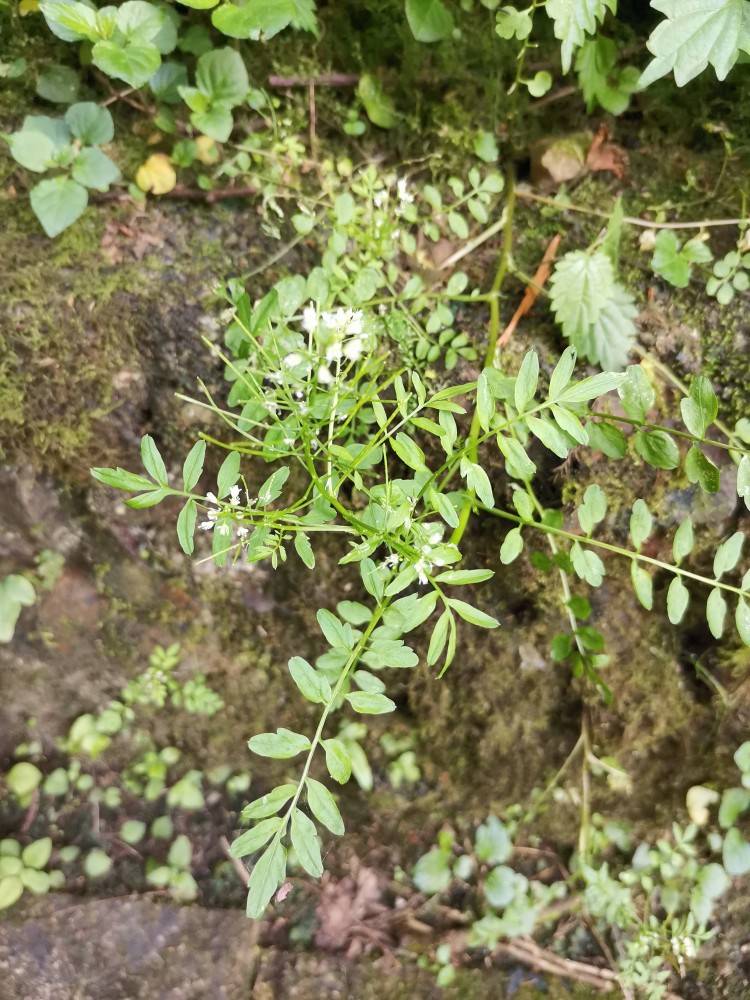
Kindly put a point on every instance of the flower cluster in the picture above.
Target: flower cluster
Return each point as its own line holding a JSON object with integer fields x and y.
{"x": 222, "y": 516}
{"x": 339, "y": 335}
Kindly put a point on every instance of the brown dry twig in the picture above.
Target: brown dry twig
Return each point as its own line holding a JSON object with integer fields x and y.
{"x": 532, "y": 290}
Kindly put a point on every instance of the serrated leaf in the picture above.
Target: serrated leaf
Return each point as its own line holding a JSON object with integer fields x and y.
{"x": 573, "y": 20}
{"x": 580, "y": 287}
{"x": 312, "y": 685}
{"x": 338, "y": 760}
{"x": 323, "y": 806}
{"x": 678, "y": 597}
{"x": 694, "y": 34}
{"x": 608, "y": 341}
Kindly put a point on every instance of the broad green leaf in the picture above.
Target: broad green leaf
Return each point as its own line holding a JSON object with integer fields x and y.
{"x": 429, "y": 20}
{"x": 57, "y": 203}
{"x": 701, "y": 470}
{"x": 252, "y": 840}
{"x": 354, "y": 612}
{"x": 69, "y": 20}
{"x": 270, "y": 803}
{"x": 23, "y": 779}
{"x": 150, "y": 499}
{"x": 637, "y": 393}
{"x": 587, "y": 565}
{"x": 606, "y": 438}
{"x": 736, "y": 853}
{"x": 152, "y": 460}
{"x": 229, "y": 474}
{"x": 221, "y": 76}
{"x": 512, "y": 23}
{"x": 193, "y": 465}
{"x": 311, "y": 684}
{"x": 658, "y": 449}
{"x": 94, "y": 170}
{"x": 272, "y": 487}
{"x": 526, "y": 381}
{"x": 716, "y": 610}
{"x": 90, "y": 123}
{"x": 133, "y": 63}
{"x": 478, "y": 480}
{"x": 742, "y": 757}
{"x": 262, "y": 17}
{"x": 728, "y": 554}
{"x": 37, "y": 854}
{"x": 305, "y": 843}
{"x": 570, "y": 424}
{"x": 471, "y": 614}
{"x": 734, "y": 802}
{"x": 700, "y": 408}
{"x": 216, "y": 122}
{"x": 180, "y": 853}
{"x": 512, "y": 547}
{"x": 678, "y": 597}
{"x": 370, "y": 704}
{"x": 642, "y": 584}
{"x": 378, "y": 105}
{"x": 682, "y": 544}
{"x": 593, "y": 509}
{"x": 694, "y": 34}
{"x": 133, "y": 831}
{"x": 390, "y": 653}
{"x": 641, "y": 523}
{"x": 338, "y": 760}
{"x": 265, "y": 878}
{"x": 11, "y": 890}
{"x": 432, "y": 872}
{"x": 492, "y": 843}
{"x": 280, "y": 745}
{"x": 742, "y": 619}
{"x": 200, "y": 4}
{"x": 438, "y": 638}
{"x": 33, "y": 150}
{"x": 501, "y": 886}
{"x": 323, "y": 806}
{"x": 96, "y": 864}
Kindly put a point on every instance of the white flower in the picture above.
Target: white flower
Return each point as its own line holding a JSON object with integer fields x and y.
{"x": 333, "y": 352}
{"x": 380, "y": 198}
{"x": 206, "y": 525}
{"x": 353, "y": 348}
{"x": 393, "y": 559}
{"x": 382, "y": 308}
{"x": 324, "y": 376}
{"x": 435, "y": 537}
{"x": 405, "y": 196}
{"x": 243, "y": 531}
{"x": 309, "y": 318}
{"x": 211, "y": 497}
{"x": 423, "y": 568}
{"x": 292, "y": 360}
{"x": 225, "y": 528}
{"x": 234, "y": 496}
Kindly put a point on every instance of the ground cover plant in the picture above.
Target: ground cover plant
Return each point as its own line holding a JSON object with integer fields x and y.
{"x": 359, "y": 417}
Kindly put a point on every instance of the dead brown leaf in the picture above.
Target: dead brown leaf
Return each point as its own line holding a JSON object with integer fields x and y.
{"x": 348, "y": 912}
{"x": 607, "y": 156}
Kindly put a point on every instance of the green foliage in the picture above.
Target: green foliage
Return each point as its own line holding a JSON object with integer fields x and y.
{"x": 673, "y": 261}
{"x": 16, "y": 593}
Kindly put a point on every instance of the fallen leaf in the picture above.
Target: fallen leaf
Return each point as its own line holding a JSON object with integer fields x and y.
{"x": 206, "y": 150}
{"x": 606, "y": 156}
{"x": 345, "y": 904}
{"x": 698, "y": 799}
{"x": 532, "y": 289}
{"x": 156, "y": 175}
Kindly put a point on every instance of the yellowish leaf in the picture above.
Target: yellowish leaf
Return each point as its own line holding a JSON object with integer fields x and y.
{"x": 28, "y": 7}
{"x": 156, "y": 175}
{"x": 205, "y": 150}
{"x": 698, "y": 799}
